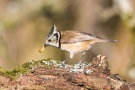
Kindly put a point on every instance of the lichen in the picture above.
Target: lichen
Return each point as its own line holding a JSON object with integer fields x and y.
{"x": 79, "y": 68}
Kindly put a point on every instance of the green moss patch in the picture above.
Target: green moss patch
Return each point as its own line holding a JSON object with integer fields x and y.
{"x": 28, "y": 67}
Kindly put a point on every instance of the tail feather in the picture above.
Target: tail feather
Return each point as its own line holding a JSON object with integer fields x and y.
{"x": 112, "y": 40}
{"x": 102, "y": 40}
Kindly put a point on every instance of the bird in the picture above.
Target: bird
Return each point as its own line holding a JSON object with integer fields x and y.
{"x": 72, "y": 41}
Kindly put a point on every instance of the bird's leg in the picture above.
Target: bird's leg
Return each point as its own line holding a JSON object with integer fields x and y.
{"x": 71, "y": 56}
{"x": 83, "y": 53}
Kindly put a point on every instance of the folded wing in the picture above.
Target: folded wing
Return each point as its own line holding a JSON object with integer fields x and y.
{"x": 76, "y": 36}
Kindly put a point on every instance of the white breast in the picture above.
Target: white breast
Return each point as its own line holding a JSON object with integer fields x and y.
{"x": 77, "y": 47}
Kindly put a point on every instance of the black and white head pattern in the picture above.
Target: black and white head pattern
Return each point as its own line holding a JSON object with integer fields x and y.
{"x": 53, "y": 38}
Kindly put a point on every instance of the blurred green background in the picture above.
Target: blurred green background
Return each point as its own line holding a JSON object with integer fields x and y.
{"x": 24, "y": 25}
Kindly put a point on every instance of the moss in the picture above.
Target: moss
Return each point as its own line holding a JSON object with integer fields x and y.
{"x": 27, "y": 68}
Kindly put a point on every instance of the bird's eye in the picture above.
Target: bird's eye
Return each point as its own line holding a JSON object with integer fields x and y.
{"x": 49, "y": 40}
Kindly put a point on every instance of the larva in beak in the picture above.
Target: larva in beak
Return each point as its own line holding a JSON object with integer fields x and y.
{"x": 42, "y": 49}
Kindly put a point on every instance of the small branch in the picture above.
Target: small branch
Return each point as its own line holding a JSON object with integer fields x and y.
{"x": 54, "y": 76}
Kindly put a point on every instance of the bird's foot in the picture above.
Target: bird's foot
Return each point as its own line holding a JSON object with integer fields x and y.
{"x": 63, "y": 63}
{"x": 80, "y": 62}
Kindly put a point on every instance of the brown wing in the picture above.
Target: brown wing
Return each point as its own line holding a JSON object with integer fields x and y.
{"x": 76, "y": 36}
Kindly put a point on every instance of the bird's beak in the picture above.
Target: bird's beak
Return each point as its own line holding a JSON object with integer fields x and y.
{"x": 45, "y": 45}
